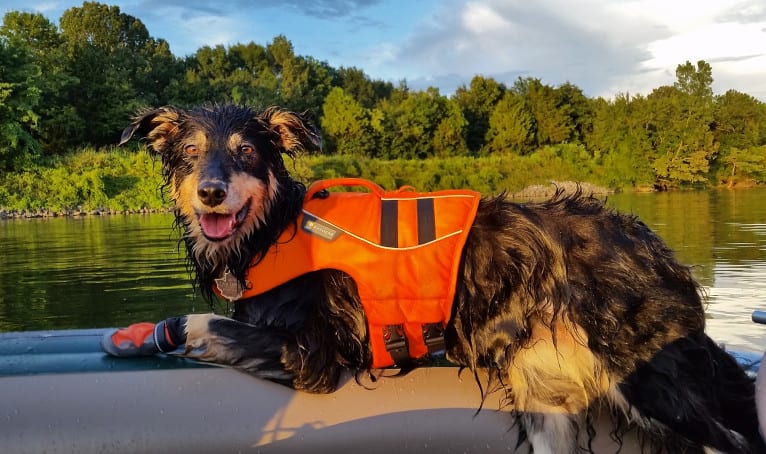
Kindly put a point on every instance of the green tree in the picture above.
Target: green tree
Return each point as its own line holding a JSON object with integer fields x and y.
{"x": 316, "y": 81}
{"x": 253, "y": 81}
{"x": 683, "y": 143}
{"x": 618, "y": 141}
{"x": 408, "y": 121}
{"x": 303, "y": 82}
{"x": 19, "y": 99}
{"x": 31, "y": 30}
{"x": 110, "y": 54}
{"x": 346, "y": 125}
{"x": 553, "y": 121}
{"x": 695, "y": 81}
{"x": 255, "y": 75}
{"x": 207, "y": 75}
{"x": 477, "y": 103}
{"x": 158, "y": 70}
{"x": 740, "y": 128}
{"x": 365, "y": 91}
{"x": 59, "y": 128}
{"x": 740, "y": 120}
{"x": 450, "y": 134}
{"x": 511, "y": 126}
{"x": 743, "y": 165}
{"x": 576, "y": 105}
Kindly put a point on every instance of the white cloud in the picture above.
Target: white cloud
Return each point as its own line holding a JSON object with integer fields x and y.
{"x": 604, "y": 47}
{"x": 712, "y": 41}
{"x": 734, "y": 45}
{"x": 549, "y": 40}
{"x": 480, "y": 18}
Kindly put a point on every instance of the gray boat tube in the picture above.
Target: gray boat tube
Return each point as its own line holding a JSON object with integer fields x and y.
{"x": 760, "y": 382}
{"x": 60, "y": 394}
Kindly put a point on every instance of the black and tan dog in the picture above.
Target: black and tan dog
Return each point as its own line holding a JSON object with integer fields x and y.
{"x": 565, "y": 303}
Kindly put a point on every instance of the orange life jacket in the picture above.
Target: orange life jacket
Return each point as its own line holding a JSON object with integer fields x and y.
{"x": 402, "y": 248}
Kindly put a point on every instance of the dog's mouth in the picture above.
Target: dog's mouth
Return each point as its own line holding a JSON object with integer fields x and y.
{"x": 220, "y": 226}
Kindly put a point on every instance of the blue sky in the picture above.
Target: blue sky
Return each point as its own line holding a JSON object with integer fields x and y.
{"x": 604, "y": 47}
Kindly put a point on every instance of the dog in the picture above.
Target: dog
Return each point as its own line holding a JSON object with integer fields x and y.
{"x": 565, "y": 304}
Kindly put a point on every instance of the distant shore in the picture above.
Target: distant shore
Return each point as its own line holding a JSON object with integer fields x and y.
{"x": 535, "y": 191}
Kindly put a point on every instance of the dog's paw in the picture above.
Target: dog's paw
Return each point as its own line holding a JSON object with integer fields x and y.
{"x": 201, "y": 343}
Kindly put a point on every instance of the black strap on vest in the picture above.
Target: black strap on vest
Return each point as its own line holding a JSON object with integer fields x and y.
{"x": 426, "y": 221}
{"x": 389, "y": 223}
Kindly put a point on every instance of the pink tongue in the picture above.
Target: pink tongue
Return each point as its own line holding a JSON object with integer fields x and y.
{"x": 217, "y": 225}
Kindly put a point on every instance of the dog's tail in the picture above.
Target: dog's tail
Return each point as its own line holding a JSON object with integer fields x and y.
{"x": 696, "y": 389}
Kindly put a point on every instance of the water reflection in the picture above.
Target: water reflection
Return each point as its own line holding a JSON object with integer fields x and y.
{"x": 738, "y": 290}
{"x": 723, "y": 236}
{"x": 91, "y": 272}
{"x": 108, "y": 271}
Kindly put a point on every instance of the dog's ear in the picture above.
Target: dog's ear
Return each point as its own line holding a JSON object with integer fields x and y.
{"x": 155, "y": 125}
{"x": 294, "y": 132}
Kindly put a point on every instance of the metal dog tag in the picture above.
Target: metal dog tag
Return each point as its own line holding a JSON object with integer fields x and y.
{"x": 229, "y": 287}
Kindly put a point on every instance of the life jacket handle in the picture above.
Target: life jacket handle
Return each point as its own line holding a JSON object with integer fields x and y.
{"x": 321, "y": 185}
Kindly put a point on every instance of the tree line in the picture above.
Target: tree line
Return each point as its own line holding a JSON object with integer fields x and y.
{"x": 77, "y": 84}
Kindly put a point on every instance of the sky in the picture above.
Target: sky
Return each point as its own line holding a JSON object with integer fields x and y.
{"x": 605, "y": 47}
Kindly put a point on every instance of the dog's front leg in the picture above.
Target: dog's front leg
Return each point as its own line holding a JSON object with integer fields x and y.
{"x": 269, "y": 352}
{"x": 257, "y": 350}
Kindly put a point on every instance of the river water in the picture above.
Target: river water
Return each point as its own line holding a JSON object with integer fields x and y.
{"x": 115, "y": 270}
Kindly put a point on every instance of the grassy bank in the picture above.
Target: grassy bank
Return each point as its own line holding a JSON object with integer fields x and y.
{"x": 118, "y": 180}
{"x": 85, "y": 181}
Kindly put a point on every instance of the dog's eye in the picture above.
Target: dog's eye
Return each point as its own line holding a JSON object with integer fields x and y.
{"x": 191, "y": 150}
{"x": 247, "y": 148}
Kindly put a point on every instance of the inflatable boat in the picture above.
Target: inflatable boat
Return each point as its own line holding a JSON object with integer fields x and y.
{"x": 60, "y": 393}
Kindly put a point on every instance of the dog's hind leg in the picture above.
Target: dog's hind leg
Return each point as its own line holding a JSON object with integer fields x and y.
{"x": 551, "y": 433}
{"x": 699, "y": 391}
{"x": 554, "y": 380}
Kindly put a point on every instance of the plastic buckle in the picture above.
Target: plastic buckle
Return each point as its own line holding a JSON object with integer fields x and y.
{"x": 396, "y": 343}
{"x": 433, "y": 337}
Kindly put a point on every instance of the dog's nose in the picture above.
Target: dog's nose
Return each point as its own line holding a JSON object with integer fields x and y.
{"x": 211, "y": 193}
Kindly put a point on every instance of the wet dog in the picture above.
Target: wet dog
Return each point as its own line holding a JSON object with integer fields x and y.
{"x": 564, "y": 303}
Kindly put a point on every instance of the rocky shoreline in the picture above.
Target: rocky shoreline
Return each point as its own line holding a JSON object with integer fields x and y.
{"x": 44, "y": 213}
{"x": 537, "y": 191}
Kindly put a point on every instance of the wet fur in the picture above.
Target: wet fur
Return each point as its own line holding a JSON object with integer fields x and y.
{"x": 568, "y": 305}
